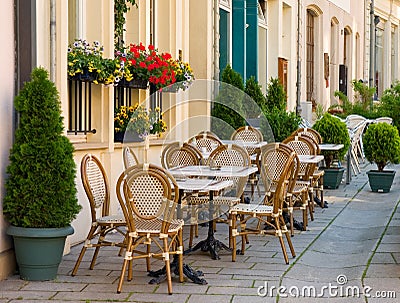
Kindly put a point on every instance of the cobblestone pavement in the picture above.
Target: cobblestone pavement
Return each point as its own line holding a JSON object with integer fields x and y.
{"x": 349, "y": 253}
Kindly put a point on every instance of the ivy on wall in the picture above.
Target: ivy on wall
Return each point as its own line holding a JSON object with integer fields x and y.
{"x": 121, "y": 7}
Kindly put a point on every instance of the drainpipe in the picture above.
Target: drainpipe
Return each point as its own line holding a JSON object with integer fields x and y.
{"x": 53, "y": 40}
{"x": 216, "y": 40}
{"x": 372, "y": 48}
{"x": 298, "y": 82}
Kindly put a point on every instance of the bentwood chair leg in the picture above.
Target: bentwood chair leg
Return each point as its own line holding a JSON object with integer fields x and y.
{"x": 279, "y": 230}
{"x": 148, "y": 250}
{"x": 233, "y": 237}
{"x": 78, "y": 262}
{"x": 96, "y": 252}
{"x": 180, "y": 256}
{"x": 125, "y": 264}
{"x": 167, "y": 265}
{"x": 192, "y": 227}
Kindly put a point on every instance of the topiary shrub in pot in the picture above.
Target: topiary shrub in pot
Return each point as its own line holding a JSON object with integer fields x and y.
{"x": 381, "y": 143}
{"x": 40, "y": 200}
{"x": 333, "y": 131}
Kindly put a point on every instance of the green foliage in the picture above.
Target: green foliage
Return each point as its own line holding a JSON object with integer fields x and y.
{"x": 381, "y": 143}
{"x": 361, "y": 105}
{"x": 363, "y": 94}
{"x": 40, "y": 188}
{"x": 227, "y": 111}
{"x": 390, "y": 104}
{"x": 334, "y": 131}
{"x": 253, "y": 90}
{"x": 282, "y": 123}
{"x": 276, "y": 96}
{"x": 278, "y": 120}
{"x": 120, "y": 9}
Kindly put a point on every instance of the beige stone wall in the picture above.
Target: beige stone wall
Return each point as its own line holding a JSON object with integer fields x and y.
{"x": 7, "y": 264}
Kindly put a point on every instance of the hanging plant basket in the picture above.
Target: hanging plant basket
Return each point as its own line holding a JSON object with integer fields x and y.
{"x": 85, "y": 76}
{"x": 134, "y": 83}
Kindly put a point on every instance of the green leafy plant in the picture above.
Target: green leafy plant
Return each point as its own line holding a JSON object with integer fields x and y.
{"x": 40, "y": 188}
{"x": 362, "y": 104}
{"x": 276, "y": 95}
{"x": 121, "y": 7}
{"x": 381, "y": 143}
{"x": 139, "y": 120}
{"x": 253, "y": 90}
{"x": 390, "y": 104}
{"x": 111, "y": 72}
{"x": 334, "y": 131}
{"x": 227, "y": 111}
{"x": 281, "y": 122}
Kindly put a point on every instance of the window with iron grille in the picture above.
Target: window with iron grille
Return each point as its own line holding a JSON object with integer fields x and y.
{"x": 80, "y": 107}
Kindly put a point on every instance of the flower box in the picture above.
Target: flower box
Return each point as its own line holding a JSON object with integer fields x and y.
{"x": 134, "y": 83}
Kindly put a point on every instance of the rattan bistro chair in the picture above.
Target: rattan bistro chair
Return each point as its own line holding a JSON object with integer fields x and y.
{"x": 148, "y": 196}
{"x": 130, "y": 158}
{"x": 224, "y": 155}
{"x": 250, "y": 134}
{"x": 270, "y": 213}
{"x": 318, "y": 174}
{"x": 303, "y": 146}
{"x": 97, "y": 189}
{"x": 176, "y": 155}
{"x": 205, "y": 142}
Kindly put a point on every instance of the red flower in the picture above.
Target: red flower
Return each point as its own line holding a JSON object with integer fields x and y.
{"x": 151, "y": 47}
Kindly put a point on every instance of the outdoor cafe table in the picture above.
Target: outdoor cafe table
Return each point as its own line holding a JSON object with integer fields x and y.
{"x": 192, "y": 185}
{"x": 210, "y": 243}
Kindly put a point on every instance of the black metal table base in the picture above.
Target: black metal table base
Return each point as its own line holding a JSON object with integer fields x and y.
{"x": 211, "y": 245}
{"x": 194, "y": 275}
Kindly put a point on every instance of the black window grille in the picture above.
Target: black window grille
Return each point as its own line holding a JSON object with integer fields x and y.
{"x": 80, "y": 107}
{"x": 123, "y": 97}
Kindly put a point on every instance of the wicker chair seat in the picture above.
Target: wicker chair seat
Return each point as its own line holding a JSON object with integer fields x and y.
{"x": 112, "y": 219}
{"x": 251, "y": 208}
{"x": 153, "y": 226}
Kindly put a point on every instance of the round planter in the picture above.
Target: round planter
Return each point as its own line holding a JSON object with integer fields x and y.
{"x": 381, "y": 181}
{"x": 39, "y": 251}
{"x": 333, "y": 177}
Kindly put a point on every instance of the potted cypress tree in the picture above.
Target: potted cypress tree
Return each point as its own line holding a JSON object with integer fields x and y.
{"x": 381, "y": 143}
{"x": 333, "y": 131}
{"x": 40, "y": 200}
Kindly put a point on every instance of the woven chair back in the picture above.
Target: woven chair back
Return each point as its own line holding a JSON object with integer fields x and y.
{"x": 165, "y": 151}
{"x": 277, "y": 168}
{"x": 180, "y": 156}
{"x": 312, "y": 133}
{"x": 231, "y": 155}
{"x": 146, "y": 187}
{"x": 130, "y": 158}
{"x": 205, "y": 141}
{"x": 248, "y": 134}
{"x": 302, "y": 146}
{"x": 95, "y": 183}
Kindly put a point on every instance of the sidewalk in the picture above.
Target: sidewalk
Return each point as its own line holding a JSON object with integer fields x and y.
{"x": 350, "y": 246}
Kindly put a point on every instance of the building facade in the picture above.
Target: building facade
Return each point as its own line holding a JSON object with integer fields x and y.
{"x": 313, "y": 47}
